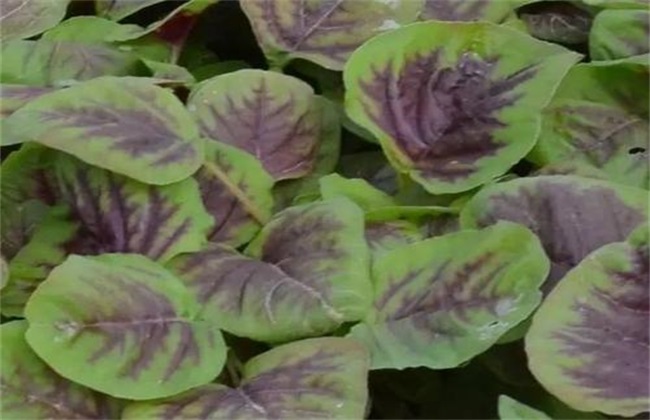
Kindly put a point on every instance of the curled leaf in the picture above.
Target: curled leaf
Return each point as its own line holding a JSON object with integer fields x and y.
{"x": 449, "y": 103}
{"x": 588, "y": 343}
{"x": 145, "y": 342}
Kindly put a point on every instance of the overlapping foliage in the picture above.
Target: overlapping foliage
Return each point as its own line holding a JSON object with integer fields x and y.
{"x": 328, "y": 208}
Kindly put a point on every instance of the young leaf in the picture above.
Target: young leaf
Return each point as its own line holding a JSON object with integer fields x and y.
{"x": 126, "y": 125}
{"x": 124, "y": 326}
{"x": 588, "y": 343}
{"x": 269, "y": 115}
{"x": 60, "y": 63}
{"x": 442, "y": 301}
{"x": 572, "y": 216}
{"x": 511, "y": 409}
{"x": 449, "y": 102}
{"x": 599, "y": 119}
{"x": 32, "y": 390}
{"x": 324, "y": 32}
{"x": 315, "y": 378}
{"x": 312, "y": 277}
{"x": 464, "y": 10}
{"x": 236, "y": 191}
{"x": 358, "y": 190}
{"x": 20, "y": 19}
{"x": 619, "y": 34}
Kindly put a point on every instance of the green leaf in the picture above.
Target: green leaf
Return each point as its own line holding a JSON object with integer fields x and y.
{"x": 307, "y": 273}
{"x": 588, "y": 341}
{"x": 22, "y": 19}
{"x": 323, "y": 32}
{"x": 61, "y": 63}
{"x": 572, "y": 216}
{"x": 125, "y": 125}
{"x": 511, "y": 409}
{"x": 315, "y": 378}
{"x": 4, "y": 272}
{"x": 274, "y": 117}
{"x": 91, "y": 30}
{"x": 441, "y": 301}
{"x": 145, "y": 342}
{"x": 32, "y": 390}
{"x": 452, "y": 107}
{"x": 619, "y": 33}
{"x": 119, "y": 9}
{"x": 236, "y": 191}
{"x": 358, "y": 190}
{"x": 598, "y": 120}
{"x": 169, "y": 71}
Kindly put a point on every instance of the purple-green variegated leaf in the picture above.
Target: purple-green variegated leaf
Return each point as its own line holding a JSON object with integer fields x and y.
{"x": 468, "y": 10}
{"x": 599, "y": 119}
{"x": 588, "y": 343}
{"x": 572, "y": 216}
{"x": 619, "y": 34}
{"x": 25, "y": 195}
{"x": 325, "y": 32}
{"x": 236, "y": 191}
{"x": 12, "y": 97}
{"x": 441, "y": 301}
{"x": 20, "y": 19}
{"x": 562, "y": 22}
{"x": 511, "y": 409}
{"x": 307, "y": 379}
{"x": 386, "y": 235}
{"x": 310, "y": 275}
{"x": 274, "y": 117}
{"x": 450, "y": 104}
{"x": 123, "y": 325}
{"x": 32, "y": 390}
{"x": 125, "y": 125}
{"x": 60, "y": 63}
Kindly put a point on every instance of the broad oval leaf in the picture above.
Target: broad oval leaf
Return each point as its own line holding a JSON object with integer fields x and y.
{"x": 325, "y": 32}
{"x": 511, "y": 409}
{"x": 599, "y": 119}
{"x": 619, "y": 34}
{"x": 312, "y": 277}
{"x": 102, "y": 212}
{"x": 32, "y": 390}
{"x": 60, "y": 63}
{"x": 125, "y": 125}
{"x": 20, "y": 19}
{"x": 315, "y": 378}
{"x": 467, "y": 10}
{"x": 449, "y": 102}
{"x": 274, "y": 117}
{"x": 122, "y": 325}
{"x": 588, "y": 343}
{"x": 572, "y": 216}
{"x": 441, "y": 301}
{"x": 236, "y": 191}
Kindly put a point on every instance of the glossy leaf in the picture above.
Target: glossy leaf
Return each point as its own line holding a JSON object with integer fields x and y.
{"x": 236, "y": 191}
{"x": 449, "y": 103}
{"x": 20, "y": 19}
{"x": 325, "y": 32}
{"x": 511, "y": 409}
{"x": 441, "y": 301}
{"x": 312, "y": 277}
{"x": 619, "y": 34}
{"x": 62, "y": 63}
{"x": 572, "y": 216}
{"x": 274, "y": 117}
{"x": 588, "y": 342}
{"x": 147, "y": 341}
{"x": 124, "y": 125}
{"x": 599, "y": 119}
{"x": 31, "y": 389}
{"x": 315, "y": 378}
{"x": 467, "y": 10}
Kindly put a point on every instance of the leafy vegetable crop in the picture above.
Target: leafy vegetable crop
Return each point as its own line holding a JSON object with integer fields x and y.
{"x": 244, "y": 209}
